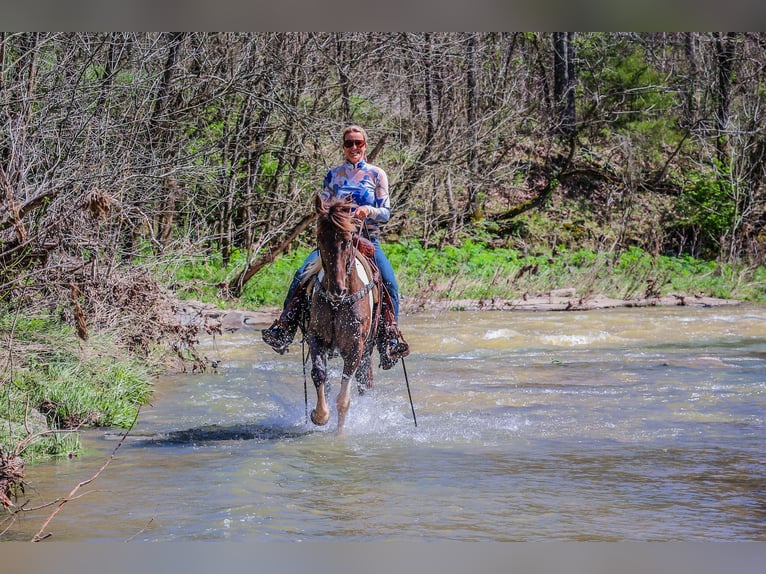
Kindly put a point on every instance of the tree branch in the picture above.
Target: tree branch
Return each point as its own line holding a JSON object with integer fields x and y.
{"x": 71, "y": 496}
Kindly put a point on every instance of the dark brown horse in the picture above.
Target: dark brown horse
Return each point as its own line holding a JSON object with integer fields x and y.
{"x": 343, "y": 314}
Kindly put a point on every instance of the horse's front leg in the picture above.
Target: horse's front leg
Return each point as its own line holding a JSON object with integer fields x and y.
{"x": 352, "y": 361}
{"x": 343, "y": 401}
{"x": 321, "y": 413}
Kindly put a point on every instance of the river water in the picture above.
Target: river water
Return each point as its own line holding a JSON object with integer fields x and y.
{"x": 614, "y": 425}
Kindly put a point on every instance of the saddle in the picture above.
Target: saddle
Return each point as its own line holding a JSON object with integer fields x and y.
{"x": 364, "y": 246}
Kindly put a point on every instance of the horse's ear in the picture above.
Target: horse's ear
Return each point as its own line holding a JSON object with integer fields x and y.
{"x": 318, "y": 204}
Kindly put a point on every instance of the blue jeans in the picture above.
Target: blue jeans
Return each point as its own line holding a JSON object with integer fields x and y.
{"x": 384, "y": 265}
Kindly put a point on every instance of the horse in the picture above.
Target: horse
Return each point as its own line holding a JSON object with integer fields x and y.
{"x": 344, "y": 314}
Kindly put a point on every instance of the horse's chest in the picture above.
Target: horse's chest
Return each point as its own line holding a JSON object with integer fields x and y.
{"x": 337, "y": 322}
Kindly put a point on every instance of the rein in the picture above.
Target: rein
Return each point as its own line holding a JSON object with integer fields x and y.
{"x": 336, "y": 301}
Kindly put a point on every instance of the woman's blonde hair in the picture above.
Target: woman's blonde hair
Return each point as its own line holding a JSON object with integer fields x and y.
{"x": 355, "y": 129}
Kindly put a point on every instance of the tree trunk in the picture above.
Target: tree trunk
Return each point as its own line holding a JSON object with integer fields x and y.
{"x": 725, "y": 52}
{"x": 564, "y": 81}
{"x": 343, "y": 78}
{"x": 472, "y": 112}
{"x": 168, "y": 213}
{"x": 690, "y": 87}
{"x": 427, "y": 88}
{"x": 236, "y": 284}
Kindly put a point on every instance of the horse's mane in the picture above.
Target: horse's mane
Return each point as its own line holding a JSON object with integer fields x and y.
{"x": 337, "y": 212}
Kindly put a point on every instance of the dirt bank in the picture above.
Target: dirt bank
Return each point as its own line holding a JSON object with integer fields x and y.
{"x": 568, "y": 300}
{"x": 217, "y": 320}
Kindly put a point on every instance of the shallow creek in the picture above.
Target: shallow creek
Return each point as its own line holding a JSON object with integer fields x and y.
{"x": 622, "y": 424}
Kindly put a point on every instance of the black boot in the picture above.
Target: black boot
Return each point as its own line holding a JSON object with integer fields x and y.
{"x": 398, "y": 346}
{"x": 282, "y": 331}
{"x": 392, "y": 345}
{"x": 279, "y": 335}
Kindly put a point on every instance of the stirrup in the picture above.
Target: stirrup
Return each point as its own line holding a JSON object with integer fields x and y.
{"x": 386, "y": 362}
{"x": 398, "y": 349}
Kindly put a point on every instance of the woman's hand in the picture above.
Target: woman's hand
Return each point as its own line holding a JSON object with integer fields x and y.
{"x": 362, "y": 212}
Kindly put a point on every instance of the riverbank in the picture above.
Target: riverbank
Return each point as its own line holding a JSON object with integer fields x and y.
{"x": 216, "y": 320}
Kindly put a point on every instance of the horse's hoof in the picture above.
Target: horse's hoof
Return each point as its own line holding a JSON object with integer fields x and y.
{"x": 316, "y": 420}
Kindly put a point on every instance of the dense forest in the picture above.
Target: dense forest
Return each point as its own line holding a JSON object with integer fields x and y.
{"x": 124, "y": 156}
{"x": 120, "y": 145}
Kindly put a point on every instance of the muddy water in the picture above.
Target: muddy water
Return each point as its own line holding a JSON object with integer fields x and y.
{"x": 601, "y": 425}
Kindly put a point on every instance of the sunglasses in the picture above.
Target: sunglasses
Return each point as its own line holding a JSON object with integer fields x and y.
{"x": 352, "y": 143}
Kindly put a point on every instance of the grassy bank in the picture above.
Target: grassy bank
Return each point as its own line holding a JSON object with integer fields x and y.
{"x": 54, "y": 383}
{"x": 476, "y": 271}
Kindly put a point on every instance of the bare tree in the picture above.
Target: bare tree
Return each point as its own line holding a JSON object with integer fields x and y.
{"x": 564, "y": 80}
{"x": 472, "y": 115}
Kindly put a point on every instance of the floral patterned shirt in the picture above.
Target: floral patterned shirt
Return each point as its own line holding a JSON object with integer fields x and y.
{"x": 367, "y": 184}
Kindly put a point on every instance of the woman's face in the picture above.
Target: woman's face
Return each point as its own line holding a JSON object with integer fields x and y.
{"x": 353, "y": 147}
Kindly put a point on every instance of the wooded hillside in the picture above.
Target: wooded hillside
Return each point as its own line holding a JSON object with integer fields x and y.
{"x": 117, "y": 146}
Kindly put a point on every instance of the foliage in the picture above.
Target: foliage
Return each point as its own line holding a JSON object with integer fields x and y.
{"x": 481, "y": 272}
{"x": 635, "y": 91}
{"x": 707, "y": 207}
{"x": 637, "y": 104}
{"x": 269, "y": 289}
{"x": 476, "y": 270}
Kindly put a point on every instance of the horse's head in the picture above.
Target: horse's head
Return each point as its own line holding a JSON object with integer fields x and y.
{"x": 335, "y": 230}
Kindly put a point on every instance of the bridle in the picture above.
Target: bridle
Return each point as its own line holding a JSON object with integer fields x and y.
{"x": 337, "y": 301}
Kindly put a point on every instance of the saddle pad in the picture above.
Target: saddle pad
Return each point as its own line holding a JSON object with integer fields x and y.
{"x": 365, "y": 262}
{"x": 364, "y": 275}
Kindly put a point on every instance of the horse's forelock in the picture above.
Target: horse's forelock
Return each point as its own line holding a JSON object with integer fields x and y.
{"x": 338, "y": 212}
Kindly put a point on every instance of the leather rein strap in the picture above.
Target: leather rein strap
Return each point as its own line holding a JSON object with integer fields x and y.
{"x": 336, "y": 301}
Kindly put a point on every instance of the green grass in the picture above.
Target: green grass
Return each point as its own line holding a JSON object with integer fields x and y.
{"x": 198, "y": 278}
{"x": 474, "y": 270}
{"x": 57, "y": 382}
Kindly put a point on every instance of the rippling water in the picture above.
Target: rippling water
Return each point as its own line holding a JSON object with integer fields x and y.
{"x": 602, "y": 425}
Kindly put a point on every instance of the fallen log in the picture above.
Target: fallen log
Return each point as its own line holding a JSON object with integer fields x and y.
{"x": 235, "y": 285}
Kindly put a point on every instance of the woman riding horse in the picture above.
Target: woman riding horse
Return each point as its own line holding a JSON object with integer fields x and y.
{"x": 343, "y": 310}
{"x": 367, "y": 186}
